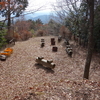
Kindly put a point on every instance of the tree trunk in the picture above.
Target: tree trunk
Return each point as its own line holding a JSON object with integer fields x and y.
{"x": 9, "y": 19}
{"x": 90, "y": 43}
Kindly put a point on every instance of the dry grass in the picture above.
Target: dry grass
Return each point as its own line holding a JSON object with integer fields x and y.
{"x": 22, "y": 79}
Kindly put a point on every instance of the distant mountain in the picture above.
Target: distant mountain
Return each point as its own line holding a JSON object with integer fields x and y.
{"x": 43, "y": 16}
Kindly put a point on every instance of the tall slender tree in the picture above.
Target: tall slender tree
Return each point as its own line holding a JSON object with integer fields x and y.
{"x": 91, "y": 41}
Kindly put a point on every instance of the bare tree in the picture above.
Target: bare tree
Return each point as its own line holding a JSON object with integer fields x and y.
{"x": 71, "y": 9}
{"x": 91, "y": 41}
{"x": 63, "y": 7}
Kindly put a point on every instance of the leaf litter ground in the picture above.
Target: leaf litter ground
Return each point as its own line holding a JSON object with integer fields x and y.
{"x": 22, "y": 79}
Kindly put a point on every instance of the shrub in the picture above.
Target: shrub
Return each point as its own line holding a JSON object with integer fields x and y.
{"x": 40, "y": 33}
{"x": 25, "y": 35}
{"x": 2, "y": 35}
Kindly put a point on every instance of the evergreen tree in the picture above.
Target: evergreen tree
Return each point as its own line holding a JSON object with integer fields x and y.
{"x": 2, "y": 34}
{"x": 38, "y": 21}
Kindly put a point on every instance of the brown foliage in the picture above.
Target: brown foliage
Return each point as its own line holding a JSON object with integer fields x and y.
{"x": 22, "y": 28}
{"x": 16, "y": 36}
{"x": 25, "y": 35}
{"x": 65, "y": 33}
{"x": 2, "y": 5}
{"x": 40, "y": 33}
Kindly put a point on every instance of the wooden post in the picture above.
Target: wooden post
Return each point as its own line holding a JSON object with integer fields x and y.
{"x": 59, "y": 38}
{"x": 55, "y": 49}
{"x": 42, "y": 43}
{"x": 42, "y": 40}
{"x": 52, "y": 41}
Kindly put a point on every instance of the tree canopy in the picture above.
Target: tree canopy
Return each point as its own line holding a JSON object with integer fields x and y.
{"x": 15, "y": 7}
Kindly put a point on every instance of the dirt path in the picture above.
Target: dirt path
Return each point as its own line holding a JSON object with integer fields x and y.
{"x": 19, "y": 72}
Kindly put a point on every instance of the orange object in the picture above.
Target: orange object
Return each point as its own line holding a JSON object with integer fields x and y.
{"x": 4, "y": 53}
{"x": 8, "y": 50}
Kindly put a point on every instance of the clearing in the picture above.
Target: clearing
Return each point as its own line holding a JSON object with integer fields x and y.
{"x": 22, "y": 79}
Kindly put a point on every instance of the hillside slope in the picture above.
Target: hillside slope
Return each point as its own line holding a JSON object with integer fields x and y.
{"x": 21, "y": 78}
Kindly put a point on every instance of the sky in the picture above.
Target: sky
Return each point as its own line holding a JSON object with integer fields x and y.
{"x": 45, "y": 5}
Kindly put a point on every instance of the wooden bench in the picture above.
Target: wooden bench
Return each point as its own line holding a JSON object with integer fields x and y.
{"x": 66, "y": 42}
{"x": 46, "y": 63}
{"x": 10, "y": 40}
{"x": 69, "y": 50}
